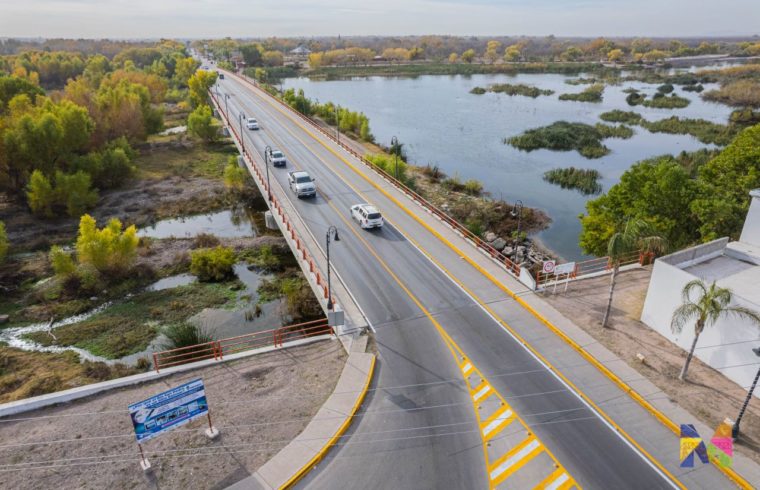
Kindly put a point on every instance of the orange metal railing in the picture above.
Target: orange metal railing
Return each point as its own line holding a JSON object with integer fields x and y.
{"x": 217, "y": 349}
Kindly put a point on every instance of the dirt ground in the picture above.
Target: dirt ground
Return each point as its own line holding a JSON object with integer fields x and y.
{"x": 707, "y": 394}
{"x": 258, "y": 404}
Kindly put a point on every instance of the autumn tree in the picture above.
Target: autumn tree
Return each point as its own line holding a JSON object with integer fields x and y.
{"x": 492, "y": 51}
{"x": 202, "y": 124}
{"x": 110, "y": 250}
{"x": 468, "y": 56}
{"x": 199, "y": 84}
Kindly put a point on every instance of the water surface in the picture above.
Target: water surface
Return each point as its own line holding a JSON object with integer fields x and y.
{"x": 442, "y": 124}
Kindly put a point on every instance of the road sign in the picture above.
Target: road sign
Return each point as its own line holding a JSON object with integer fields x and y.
{"x": 548, "y": 267}
{"x": 566, "y": 268}
{"x": 168, "y": 410}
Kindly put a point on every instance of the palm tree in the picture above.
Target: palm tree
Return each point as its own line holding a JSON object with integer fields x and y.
{"x": 637, "y": 235}
{"x": 710, "y": 304}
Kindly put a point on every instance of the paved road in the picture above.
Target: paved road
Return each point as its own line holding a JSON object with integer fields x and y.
{"x": 419, "y": 427}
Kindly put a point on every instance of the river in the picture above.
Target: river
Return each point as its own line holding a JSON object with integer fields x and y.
{"x": 441, "y": 123}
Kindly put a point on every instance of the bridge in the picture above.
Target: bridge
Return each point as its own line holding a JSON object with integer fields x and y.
{"x": 477, "y": 384}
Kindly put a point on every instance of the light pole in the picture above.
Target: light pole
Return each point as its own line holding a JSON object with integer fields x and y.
{"x": 517, "y": 210}
{"x": 242, "y": 139}
{"x": 395, "y": 150}
{"x": 226, "y": 107}
{"x": 735, "y": 428}
{"x": 332, "y": 232}
{"x": 268, "y": 150}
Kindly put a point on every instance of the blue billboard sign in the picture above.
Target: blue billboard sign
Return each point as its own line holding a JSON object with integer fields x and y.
{"x": 168, "y": 410}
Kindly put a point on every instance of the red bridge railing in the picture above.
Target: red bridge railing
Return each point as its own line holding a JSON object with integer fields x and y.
{"x": 217, "y": 349}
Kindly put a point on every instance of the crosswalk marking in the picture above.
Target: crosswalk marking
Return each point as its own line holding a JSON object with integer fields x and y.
{"x": 480, "y": 393}
{"x": 556, "y": 481}
{"x": 500, "y": 419}
{"x": 515, "y": 459}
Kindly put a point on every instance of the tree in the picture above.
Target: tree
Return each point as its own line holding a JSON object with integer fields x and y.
{"x": 212, "y": 264}
{"x": 364, "y": 131}
{"x": 234, "y": 175}
{"x": 572, "y": 54}
{"x": 199, "y": 85}
{"x": 273, "y": 58}
{"x": 202, "y": 124}
{"x": 468, "y": 56}
{"x": 13, "y": 86}
{"x": 654, "y": 55}
{"x": 251, "y": 54}
{"x": 110, "y": 250}
{"x": 4, "y": 243}
{"x": 453, "y": 58}
{"x": 636, "y": 236}
{"x": 184, "y": 69}
{"x": 61, "y": 261}
{"x": 492, "y": 51}
{"x": 705, "y": 310}
{"x": 615, "y": 55}
{"x": 73, "y": 192}
{"x": 512, "y": 53}
{"x": 40, "y": 195}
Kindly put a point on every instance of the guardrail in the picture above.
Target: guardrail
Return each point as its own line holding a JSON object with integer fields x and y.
{"x": 508, "y": 264}
{"x": 217, "y": 349}
{"x": 276, "y": 206}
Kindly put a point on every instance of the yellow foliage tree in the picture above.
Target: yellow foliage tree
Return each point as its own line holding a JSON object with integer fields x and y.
{"x": 110, "y": 250}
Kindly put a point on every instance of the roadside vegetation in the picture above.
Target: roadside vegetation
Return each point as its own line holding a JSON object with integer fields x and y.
{"x": 512, "y": 89}
{"x": 581, "y": 179}
{"x": 354, "y": 123}
{"x": 688, "y": 199}
{"x": 567, "y": 136}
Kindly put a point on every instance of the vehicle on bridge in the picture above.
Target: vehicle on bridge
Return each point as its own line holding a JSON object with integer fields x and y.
{"x": 276, "y": 158}
{"x": 302, "y": 184}
{"x": 221, "y": 76}
{"x": 367, "y": 216}
{"x": 252, "y": 124}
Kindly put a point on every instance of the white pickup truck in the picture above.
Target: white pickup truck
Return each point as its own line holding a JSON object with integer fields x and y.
{"x": 276, "y": 158}
{"x": 301, "y": 184}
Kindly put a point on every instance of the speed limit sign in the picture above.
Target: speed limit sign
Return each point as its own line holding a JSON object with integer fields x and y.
{"x": 548, "y": 267}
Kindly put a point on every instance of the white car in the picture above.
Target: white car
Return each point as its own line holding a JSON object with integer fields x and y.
{"x": 367, "y": 216}
{"x": 277, "y": 158}
{"x": 302, "y": 184}
{"x": 252, "y": 124}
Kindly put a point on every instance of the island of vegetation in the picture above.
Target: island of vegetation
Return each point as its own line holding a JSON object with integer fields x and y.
{"x": 513, "y": 89}
{"x": 567, "y": 136}
{"x": 594, "y": 93}
{"x": 582, "y": 179}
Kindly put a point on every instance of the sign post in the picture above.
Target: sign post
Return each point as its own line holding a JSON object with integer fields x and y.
{"x": 169, "y": 410}
{"x": 567, "y": 268}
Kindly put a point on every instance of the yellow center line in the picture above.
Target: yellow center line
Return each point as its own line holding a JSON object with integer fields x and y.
{"x": 475, "y": 297}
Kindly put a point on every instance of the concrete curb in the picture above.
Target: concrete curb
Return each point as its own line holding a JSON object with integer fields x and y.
{"x": 310, "y": 446}
{"x": 28, "y": 404}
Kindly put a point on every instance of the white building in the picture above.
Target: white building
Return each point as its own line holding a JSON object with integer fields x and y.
{"x": 727, "y": 345}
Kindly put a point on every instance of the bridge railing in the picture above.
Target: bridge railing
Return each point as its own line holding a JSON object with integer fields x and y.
{"x": 481, "y": 244}
{"x": 217, "y": 349}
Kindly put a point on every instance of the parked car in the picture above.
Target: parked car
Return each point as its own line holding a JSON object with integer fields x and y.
{"x": 367, "y": 216}
{"x": 252, "y": 124}
{"x": 221, "y": 76}
{"x": 276, "y": 158}
{"x": 302, "y": 184}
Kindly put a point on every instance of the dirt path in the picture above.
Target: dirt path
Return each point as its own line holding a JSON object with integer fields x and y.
{"x": 707, "y": 394}
{"x": 259, "y": 404}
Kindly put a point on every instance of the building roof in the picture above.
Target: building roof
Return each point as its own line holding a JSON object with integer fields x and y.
{"x": 301, "y": 49}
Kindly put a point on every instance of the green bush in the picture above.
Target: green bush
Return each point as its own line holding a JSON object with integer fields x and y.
{"x": 566, "y": 136}
{"x": 235, "y": 176}
{"x": 40, "y": 195}
{"x": 518, "y": 89}
{"x": 618, "y": 116}
{"x": 61, "y": 261}
{"x": 478, "y": 91}
{"x": 594, "y": 93}
{"x": 110, "y": 250}
{"x": 665, "y": 88}
{"x": 4, "y": 243}
{"x": 212, "y": 264}
{"x": 202, "y": 124}
{"x": 71, "y": 192}
{"x": 185, "y": 335}
{"x": 659, "y": 101}
{"x": 584, "y": 180}
{"x": 473, "y": 187}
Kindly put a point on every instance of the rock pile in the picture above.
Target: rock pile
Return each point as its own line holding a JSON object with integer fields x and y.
{"x": 523, "y": 252}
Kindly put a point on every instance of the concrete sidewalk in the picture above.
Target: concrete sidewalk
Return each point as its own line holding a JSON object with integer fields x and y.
{"x": 324, "y": 430}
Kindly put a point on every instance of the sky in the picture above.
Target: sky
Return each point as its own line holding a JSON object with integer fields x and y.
{"x": 303, "y": 18}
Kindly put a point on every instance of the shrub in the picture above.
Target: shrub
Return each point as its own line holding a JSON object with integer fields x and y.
{"x": 235, "y": 177}
{"x": 584, "y": 180}
{"x": 186, "y": 335}
{"x": 205, "y": 240}
{"x": 264, "y": 257}
{"x": 665, "y": 88}
{"x": 61, "y": 261}
{"x": 618, "y": 116}
{"x": 433, "y": 172}
{"x": 659, "y": 101}
{"x": 73, "y": 191}
{"x": 635, "y": 98}
{"x": 202, "y": 124}
{"x": 473, "y": 187}
{"x": 594, "y": 93}
{"x": 4, "y": 244}
{"x": 212, "y": 264}
{"x": 40, "y": 195}
{"x": 110, "y": 250}
{"x": 740, "y": 93}
{"x": 478, "y": 91}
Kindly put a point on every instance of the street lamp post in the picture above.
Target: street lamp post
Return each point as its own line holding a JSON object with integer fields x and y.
{"x": 242, "y": 140}
{"x": 332, "y": 232}
{"x": 267, "y": 150}
{"x": 517, "y": 210}
{"x": 395, "y": 150}
{"x": 226, "y": 107}
{"x": 735, "y": 428}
